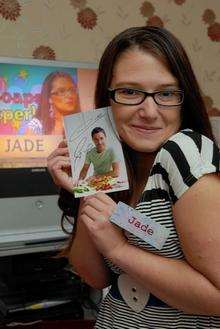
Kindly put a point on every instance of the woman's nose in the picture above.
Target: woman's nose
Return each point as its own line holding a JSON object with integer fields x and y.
{"x": 148, "y": 109}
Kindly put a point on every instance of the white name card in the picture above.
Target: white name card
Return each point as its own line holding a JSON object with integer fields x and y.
{"x": 140, "y": 225}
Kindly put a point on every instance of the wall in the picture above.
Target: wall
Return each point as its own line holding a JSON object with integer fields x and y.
{"x": 78, "y": 30}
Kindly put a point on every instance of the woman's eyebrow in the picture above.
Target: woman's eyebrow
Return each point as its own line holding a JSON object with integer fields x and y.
{"x": 168, "y": 85}
{"x": 127, "y": 84}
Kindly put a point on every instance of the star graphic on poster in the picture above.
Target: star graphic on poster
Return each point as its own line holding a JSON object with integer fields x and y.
{"x": 23, "y": 74}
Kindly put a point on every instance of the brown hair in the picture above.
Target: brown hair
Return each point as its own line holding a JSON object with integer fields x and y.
{"x": 43, "y": 111}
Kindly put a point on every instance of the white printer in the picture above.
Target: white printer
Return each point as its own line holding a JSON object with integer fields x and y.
{"x": 31, "y": 224}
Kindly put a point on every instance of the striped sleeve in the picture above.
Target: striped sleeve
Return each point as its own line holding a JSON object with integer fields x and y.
{"x": 185, "y": 158}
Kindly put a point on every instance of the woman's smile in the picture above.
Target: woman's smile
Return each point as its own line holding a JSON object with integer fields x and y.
{"x": 145, "y": 131}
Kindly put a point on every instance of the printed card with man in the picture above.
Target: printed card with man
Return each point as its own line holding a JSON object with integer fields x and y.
{"x": 97, "y": 160}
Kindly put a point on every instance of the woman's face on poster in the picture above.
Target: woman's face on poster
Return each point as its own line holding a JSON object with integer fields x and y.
{"x": 64, "y": 98}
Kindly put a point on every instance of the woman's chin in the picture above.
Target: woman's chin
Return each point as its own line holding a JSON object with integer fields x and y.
{"x": 67, "y": 110}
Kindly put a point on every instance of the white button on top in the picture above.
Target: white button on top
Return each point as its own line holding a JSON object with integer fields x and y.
{"x": 135, "y": 295}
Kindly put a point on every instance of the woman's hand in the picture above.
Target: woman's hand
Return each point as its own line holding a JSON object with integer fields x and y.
{"x": 58, "y": 164}
{"x": 95, "y": 213}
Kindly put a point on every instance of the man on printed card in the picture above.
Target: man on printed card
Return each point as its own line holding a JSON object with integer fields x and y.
{"x": 103, "y": 158}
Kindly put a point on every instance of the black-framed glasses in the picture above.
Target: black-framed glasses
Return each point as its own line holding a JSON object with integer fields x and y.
{"x": 130, "y": 96}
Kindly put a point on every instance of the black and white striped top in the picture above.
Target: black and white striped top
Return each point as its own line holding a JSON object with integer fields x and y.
{"x": 180, "y": 162}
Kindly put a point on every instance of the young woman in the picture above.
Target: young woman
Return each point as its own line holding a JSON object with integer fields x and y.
{"x": 59, "y": 97}
{"x": 173, "y": 165}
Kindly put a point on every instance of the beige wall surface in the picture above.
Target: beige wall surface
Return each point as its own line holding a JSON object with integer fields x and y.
{"x": 78, "y": 30}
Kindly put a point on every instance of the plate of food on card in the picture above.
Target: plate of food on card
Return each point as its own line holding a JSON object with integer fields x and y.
{"x": 94, "y": 184}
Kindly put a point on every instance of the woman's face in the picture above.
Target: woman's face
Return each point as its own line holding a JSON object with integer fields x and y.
{"x": 144, "y": 127}
{"x": 64, "y": 95}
